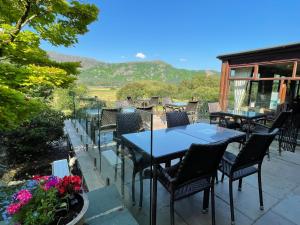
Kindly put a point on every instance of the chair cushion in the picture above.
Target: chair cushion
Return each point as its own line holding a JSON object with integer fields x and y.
{"x": 166, "y": 176}
{"x": 260, "y": 129}
{"x": 226, "y": 165}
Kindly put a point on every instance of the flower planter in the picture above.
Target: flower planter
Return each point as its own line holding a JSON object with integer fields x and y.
{"x": 51, "y": 200}
{"x": 79, "y": 219}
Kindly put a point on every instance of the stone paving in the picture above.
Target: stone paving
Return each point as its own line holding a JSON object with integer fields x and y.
{"x": 281, "y": 192}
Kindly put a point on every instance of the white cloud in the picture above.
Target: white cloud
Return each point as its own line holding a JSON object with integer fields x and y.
{"x": 140, "y": 55}
{"x": 182, "y": 59}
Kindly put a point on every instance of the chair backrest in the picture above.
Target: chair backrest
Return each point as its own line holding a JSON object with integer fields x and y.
{"x": 177, "y": 118}
{"x": 280, "y": 120}
{"x": 200, "y": 161}
{"x": 128, "y": 123}
{"x": 191, "y": 106}
{"x": 154, "y": 100}
{"x": 108, "y": 117}
{"x": 129, "y": 100}
{"x": 214, "y": 107}
{"x": 122, "y": 104}
{"x": 254, "y": 150}
{"x": 166, "y": 101}
{"x": 145, "y": 113}
{"x": 146, "y": 108}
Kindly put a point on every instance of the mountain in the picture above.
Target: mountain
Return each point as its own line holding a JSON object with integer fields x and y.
{"x": 96, "y": 73}
{"x": 85, "y": 62}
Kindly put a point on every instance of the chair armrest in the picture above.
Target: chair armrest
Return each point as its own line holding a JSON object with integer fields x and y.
{"x": 227, "y": 161}
{"x": 261, "y": 125}
{"x": 165, "y": 176}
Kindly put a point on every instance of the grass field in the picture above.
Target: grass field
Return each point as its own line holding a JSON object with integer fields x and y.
{"x": 107, "y": 94}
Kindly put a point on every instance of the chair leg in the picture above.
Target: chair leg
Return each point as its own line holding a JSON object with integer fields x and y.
{"x": 223, "y": 175}
{"x": 141, "y": 189}
{"x": 217, "y": 177}
{"x": 172, "y": 219}
{"x": 231, "y": 202}
{"x": 268, "y": 153}
{"x": 168, "y": 164}
{"x": 133, "y": 187}
{"x": 260, "y": 189}
{"x": 205, "y": 201}
{"x": 280, "y": 142}
{"x": 213, "y": 217}
{"x": 240, "y": 184}
{"x": 116, "y": 165}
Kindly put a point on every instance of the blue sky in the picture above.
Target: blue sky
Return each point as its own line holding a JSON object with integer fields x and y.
{"x": 187, "y": 34}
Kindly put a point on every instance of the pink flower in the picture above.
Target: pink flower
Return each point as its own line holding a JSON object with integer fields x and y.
{"x": 13, "y": 208}
{"x": 24, "y": 196}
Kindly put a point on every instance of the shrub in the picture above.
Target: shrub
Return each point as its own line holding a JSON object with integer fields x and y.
{"x": 35, "y": 137}
{"x": 146, "y": 89}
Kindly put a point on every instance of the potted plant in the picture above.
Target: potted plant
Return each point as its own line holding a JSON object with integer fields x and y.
{"x": 48, "y": 200}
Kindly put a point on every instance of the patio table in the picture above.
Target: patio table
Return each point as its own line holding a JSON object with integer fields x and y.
{"x": 177, "y": 105}
{"x": 172, "y": 143}
{"x": 247, "y": 116}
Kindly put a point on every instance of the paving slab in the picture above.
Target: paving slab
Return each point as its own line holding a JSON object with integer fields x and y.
{"x": 121, "y": 217}
{"x": 190, "y": 209}
{"x": 247, "y": 200}
{"x": 289, "y": 208}
{"x": 271, "y": 218}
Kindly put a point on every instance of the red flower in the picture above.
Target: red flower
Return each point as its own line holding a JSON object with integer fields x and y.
{"x": 69, "y": 185}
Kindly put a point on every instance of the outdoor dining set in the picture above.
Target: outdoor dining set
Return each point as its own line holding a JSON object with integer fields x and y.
{"x": 199, "y": 149}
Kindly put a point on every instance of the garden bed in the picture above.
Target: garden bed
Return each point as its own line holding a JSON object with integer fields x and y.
{"x": 41, "y": 164}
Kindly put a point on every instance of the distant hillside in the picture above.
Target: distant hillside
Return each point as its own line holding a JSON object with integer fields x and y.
{"x": 85, "y": 62}
{"x": 96, "y": 73}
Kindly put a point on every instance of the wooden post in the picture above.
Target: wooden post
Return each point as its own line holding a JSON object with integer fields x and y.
{"x": 224, "y": 85}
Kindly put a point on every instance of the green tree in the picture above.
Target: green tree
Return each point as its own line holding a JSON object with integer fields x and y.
{"x": 146, "y": 89}
{"x": 27, "y": 75}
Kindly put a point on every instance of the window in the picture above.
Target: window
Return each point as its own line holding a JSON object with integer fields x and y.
{"x": 281, "y": 70}
{"x": 244, "y": 72}
{"x": 298, "y": 69}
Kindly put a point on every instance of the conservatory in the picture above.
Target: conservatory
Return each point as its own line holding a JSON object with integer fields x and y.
{"x": 260, "y": 79}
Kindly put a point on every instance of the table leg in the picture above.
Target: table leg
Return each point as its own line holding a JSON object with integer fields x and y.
{"x": 248, "y": 130}
{"x": 154, "y": 195}
{"x": 205, "y": 200}
{"x": 122, "y": 171}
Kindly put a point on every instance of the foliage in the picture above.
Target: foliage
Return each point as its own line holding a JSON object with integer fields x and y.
{"x": 63, "y": 99}
{"x": 205, "y": 88}
{"x": 34, "y": 137}
{"x": 118, "y": 74}
{"x": 27, "y": 75}
{"x": 57, "y": 21}
{"x": 146, "y": 89}
{"x": 40, "y": 200}
{"x": 16, "y": 108}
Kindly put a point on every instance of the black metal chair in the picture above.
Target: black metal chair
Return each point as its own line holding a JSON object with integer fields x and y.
{"x": 195, "y": 173}
{"x": 216, "y": 117}
{"x": 131, "y": 123}
{"x": 177, "y": 118}
{"x": 214, "y": 108}
{"x": 154, "y": 101}
{"x": 130, "y": 100}
{"x": 106, "y": 125}
{"x": 166, "y": 101}
{"x": 278, "y": 122}
{"x": 191, "y": 110}
{"x": 145, "y": 113}
{"x": 247, "y": 162}
{"x": 108, "y": 118}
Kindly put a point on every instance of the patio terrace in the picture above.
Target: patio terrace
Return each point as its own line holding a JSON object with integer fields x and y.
{"x": 281, "y": 192}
